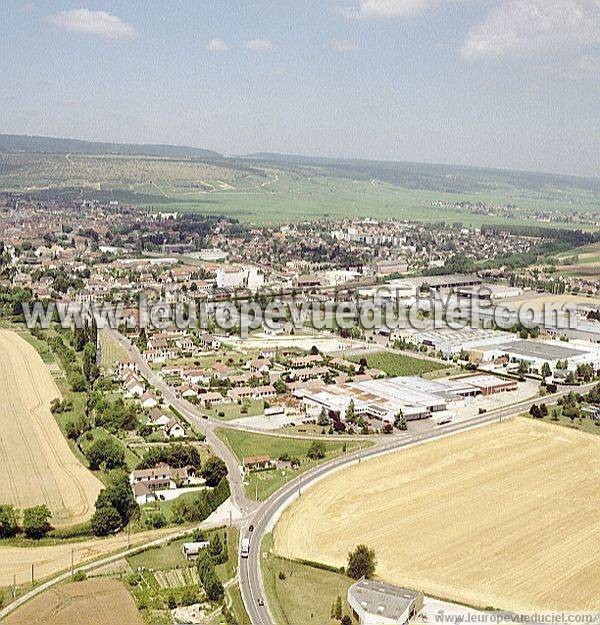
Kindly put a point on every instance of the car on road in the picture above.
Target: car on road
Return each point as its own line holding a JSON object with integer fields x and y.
{"x": 261, "y": 601}
{"x": 251, "y": 528}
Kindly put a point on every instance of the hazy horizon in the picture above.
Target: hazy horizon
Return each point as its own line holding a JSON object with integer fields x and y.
{"x": 340, "y": 158}
{"x": 501, "y": 84}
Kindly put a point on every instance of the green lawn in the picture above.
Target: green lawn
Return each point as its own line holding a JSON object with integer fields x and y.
{"x": 306, "y": 594}
{"x": 164, "y": 507}
{"x": 399, "y": 364}
{"x": 234, "y": 410}
{"x": 583, "y": 424}
{"x": 261, "y": 484}
{"x": 163, "y": 558}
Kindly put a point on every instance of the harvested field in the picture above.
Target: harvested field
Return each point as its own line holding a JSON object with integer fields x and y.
{"x": 36, "y": 463}
{"x": 93, "y": 602}
{"x": 504, "y": 516}
{"x": 51, "y": 559}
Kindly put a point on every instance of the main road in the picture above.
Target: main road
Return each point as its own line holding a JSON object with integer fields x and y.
{"x": 263, "y": 516}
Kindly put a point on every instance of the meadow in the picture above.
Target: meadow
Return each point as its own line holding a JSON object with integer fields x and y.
{"x": 394, "y": 364}
{"x": 300, "y": 593}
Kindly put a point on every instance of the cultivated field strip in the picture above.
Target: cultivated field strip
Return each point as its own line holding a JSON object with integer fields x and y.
{"x": 38, "y": 465}
{"x": 506, "y": 516}
{"x": 93, "y": 602}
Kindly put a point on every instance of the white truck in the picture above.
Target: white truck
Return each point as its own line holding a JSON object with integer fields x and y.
{"x": 444, "y": 419}
{"x": 245, "y": 548}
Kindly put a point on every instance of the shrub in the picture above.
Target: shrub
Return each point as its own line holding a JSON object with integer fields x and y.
{"x": 316, "y": 451}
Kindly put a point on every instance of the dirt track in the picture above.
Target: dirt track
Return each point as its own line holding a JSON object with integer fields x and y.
{"x": 504, "y": 516}
{"x": 91, "y": 602}
{"x": 36, "y": 463}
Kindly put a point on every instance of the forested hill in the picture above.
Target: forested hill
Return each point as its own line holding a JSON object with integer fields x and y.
{"x": 52, "y": 145}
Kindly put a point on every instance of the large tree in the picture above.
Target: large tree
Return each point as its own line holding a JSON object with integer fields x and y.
{"x": 36, "y": 521}
{"x": 361, "y": 562}
{"x": 400, "y": 421}
{"x": 9, "y": 521}
{"x": 214, "y": 470}
{"x": 105, "y": 520}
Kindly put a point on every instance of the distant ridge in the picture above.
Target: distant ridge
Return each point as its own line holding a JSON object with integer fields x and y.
{"x": 53, "y": 145}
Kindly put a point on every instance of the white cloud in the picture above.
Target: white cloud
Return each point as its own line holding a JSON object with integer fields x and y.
{"x": 342, "y": 45}
{"x": 381, "y": 9}
{"x": 259, "y": 45}
{"x": 534, "y": 27}
{"x": 98, "y": 23}
{"x": 217, "y": 45}
{"x": 579, "y": 68}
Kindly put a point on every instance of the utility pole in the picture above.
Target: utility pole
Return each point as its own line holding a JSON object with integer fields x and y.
{"x": 14, "y": 588}
{"x": 32, "y": 575}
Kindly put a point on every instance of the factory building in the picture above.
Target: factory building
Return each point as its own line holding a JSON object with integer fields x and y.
{"x": 416, "y": 397}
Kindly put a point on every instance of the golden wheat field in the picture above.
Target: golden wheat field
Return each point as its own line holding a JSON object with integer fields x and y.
{"x": 505, "y": 516}
{"x": 93, "y": 602}
{"x": 36, "y": 464}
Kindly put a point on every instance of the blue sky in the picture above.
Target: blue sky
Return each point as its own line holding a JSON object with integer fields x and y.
{"x": 503, "y": 83}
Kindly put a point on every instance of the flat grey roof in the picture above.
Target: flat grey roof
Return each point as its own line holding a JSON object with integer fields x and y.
{"x": 382, "y": 599}
{"x": 531, "y": 349}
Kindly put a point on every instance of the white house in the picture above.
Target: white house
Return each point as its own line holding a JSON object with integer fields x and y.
{"x": 158, "y": 418}
{"x": 174, "y": 429}
{"x": 192, "y": 550}
{"x": 148, "y": 401}
{"x": 134, "y": 388}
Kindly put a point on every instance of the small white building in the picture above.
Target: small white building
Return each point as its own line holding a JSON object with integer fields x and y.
{"x": 376, "y": 603}
{"x": 192, "y": 550}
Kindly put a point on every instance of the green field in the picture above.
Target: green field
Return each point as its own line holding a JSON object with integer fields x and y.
{"x": 227, "y": 412}
{"x": 261, "y": 484}
{"x": 305, "y": 594}
{"x": 111, "y": 351}
{"x": 582, "y": 424}
{"x": 268, "y": 191}
{"x": 394, "y": 364}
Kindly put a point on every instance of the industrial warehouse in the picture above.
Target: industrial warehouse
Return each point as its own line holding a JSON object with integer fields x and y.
{"x": 415, "y": 397}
